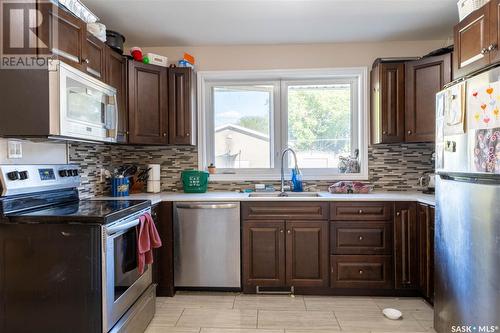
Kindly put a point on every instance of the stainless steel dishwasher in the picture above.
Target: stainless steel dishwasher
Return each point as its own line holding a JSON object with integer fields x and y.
{"x": 207, "y": 245}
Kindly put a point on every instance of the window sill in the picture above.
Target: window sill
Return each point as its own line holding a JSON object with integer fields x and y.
{"x": 222, "y": 177}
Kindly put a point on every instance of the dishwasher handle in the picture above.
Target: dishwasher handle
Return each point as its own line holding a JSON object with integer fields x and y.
{"x": 207, "y": 206}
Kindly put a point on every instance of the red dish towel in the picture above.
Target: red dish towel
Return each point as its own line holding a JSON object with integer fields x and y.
{"x": 147, "y": 240}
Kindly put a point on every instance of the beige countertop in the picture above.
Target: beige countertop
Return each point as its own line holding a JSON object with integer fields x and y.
{"x": 235, "y": 196}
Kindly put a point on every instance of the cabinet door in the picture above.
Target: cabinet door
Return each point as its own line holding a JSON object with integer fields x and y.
{"x": 148, "y": 107}
{"x": 263, "y": 254}
{"x": 430, "y": 262}
{"x": 180, "y": 105}
{"x": 472, "y": 39}
{"x": 164, "y": 259}
{"x": 65, "y": 37}
{"x": 307, "y": 253}
{"x": 94, "y": 57}
{"x": 423, "y": 248}
{"x": 389, "y": 103}
{"x": 493, "y": 50}
{"x": 426, "y": 250}
{"x": 116, "y": 76}
{"x": 406, "y": 246}
{"x": 424, "y": 79}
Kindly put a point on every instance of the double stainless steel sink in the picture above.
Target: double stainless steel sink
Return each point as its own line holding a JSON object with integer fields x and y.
{"x": 285, "y": 195}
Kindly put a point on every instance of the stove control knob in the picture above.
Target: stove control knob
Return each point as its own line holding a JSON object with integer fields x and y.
{"x": 63, "y": 173}
{"x": 23, "y": 175}
{"x": 14, "y": 175}
{"x": 74, "y": 172}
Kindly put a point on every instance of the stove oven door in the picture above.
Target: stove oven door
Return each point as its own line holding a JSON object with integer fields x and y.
{"x": 123, "y": 284}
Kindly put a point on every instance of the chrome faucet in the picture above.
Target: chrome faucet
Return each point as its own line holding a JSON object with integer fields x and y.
{"x": 297, "y": 170}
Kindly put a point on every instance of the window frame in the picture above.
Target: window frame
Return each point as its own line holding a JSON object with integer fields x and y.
{"x": 281, "y": 79}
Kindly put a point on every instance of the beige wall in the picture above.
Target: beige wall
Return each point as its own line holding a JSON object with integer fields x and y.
{"x": 295, "y": 56}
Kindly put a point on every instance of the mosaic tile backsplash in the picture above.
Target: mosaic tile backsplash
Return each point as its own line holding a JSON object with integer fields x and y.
{"x": 391, "y": 167}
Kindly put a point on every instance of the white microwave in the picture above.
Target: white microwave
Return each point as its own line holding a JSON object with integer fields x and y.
{"x": 81, "y": 107}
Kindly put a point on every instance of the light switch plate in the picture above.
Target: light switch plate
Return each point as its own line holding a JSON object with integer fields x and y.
{"x": 14, "y": 149}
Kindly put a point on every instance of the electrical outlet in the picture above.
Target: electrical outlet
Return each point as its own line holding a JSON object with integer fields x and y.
{"x": 15, "y": 149}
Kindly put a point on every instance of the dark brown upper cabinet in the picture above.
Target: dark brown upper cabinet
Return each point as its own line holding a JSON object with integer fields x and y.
{"x": 388, "y": 102}
{"x": 403, "y": 95}
{"x": 477, "y": 40}
{"x": 147, "y": 104}
{"x": 116, "y": 76}
{"x": 406, "y": 245}
{"x": 94, "y": 57}
{"x": 424, "y": 79}
{"x": 64, "y": 34}
{"x": 180, "y": 105}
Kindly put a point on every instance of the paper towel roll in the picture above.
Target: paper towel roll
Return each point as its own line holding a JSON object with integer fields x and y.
{"x": 154, "y": 186}
{"x": 155, "y": 172}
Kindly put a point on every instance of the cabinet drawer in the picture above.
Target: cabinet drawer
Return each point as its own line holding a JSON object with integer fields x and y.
{"x": 284, "y": 211}
{"x": 361, "y": 272}
{"x": 361, "y": 237}
{"x": 355, "y": 211}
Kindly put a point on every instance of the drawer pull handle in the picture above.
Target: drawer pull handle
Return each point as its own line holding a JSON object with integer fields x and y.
{"x": 360, "y": 211}
{"x": 360, "y": 272}
{"x": 360, "y": 238}
{"x": 281, "y": 230}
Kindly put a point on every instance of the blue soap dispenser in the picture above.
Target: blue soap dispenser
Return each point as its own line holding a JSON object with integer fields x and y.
{"x": 297, "y": 180}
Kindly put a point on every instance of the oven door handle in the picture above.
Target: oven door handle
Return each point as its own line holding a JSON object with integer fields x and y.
{"x": 121, "y": 227}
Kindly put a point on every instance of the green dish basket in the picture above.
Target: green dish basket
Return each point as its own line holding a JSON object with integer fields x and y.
{"x": 194, "y": 181}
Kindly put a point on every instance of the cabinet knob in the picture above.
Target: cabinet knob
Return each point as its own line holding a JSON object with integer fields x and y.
{"x": 409, "y": 132}
{"x": 384, "y": 133}
{"x": 398, "y": 213}
{"x": 281, "y": 230}
{"x": 87, "y": 61}
{"x": 492, "y": 47}
{"x": 289, "y": 232}
{"x": 127, "y": 132}
{"x": 188, "y": 134}
{"x": 360, "y": 238}
{"x": 360, "y": 211}
{"x": 361, "y": 272}
{"x": 484, "y": 51}
{"x": 164, "y": 134}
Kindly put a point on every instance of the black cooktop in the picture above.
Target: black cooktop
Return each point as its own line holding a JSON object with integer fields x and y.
{"x": 83, "y": 211}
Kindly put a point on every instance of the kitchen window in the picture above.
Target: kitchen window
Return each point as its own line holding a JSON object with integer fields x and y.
{"x": 247, "y": 118}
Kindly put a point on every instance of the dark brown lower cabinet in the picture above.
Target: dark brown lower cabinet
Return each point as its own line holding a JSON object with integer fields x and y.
{"x": 163, "y": 268}
{"x": 361, "y": 237}
{"x": 406, "y": 245}
{"x": 263, "y": 254}
{"x": 426, "y": 250}
{"x": 282, "y": 254}
{"x": 361, "y": 272}
{"x": 307, "y": 254}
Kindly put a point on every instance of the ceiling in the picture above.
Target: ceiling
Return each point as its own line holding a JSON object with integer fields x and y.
{"x": 240, "y": 22}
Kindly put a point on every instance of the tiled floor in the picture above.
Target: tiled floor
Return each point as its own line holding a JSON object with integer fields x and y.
{"x": 235, "y": 313}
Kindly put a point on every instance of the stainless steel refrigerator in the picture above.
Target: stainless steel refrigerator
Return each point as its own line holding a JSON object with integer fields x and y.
{"x": 467, "y": 238}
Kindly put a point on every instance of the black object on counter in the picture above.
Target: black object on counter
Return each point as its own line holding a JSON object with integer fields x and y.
{"x": 115, "y": 40}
